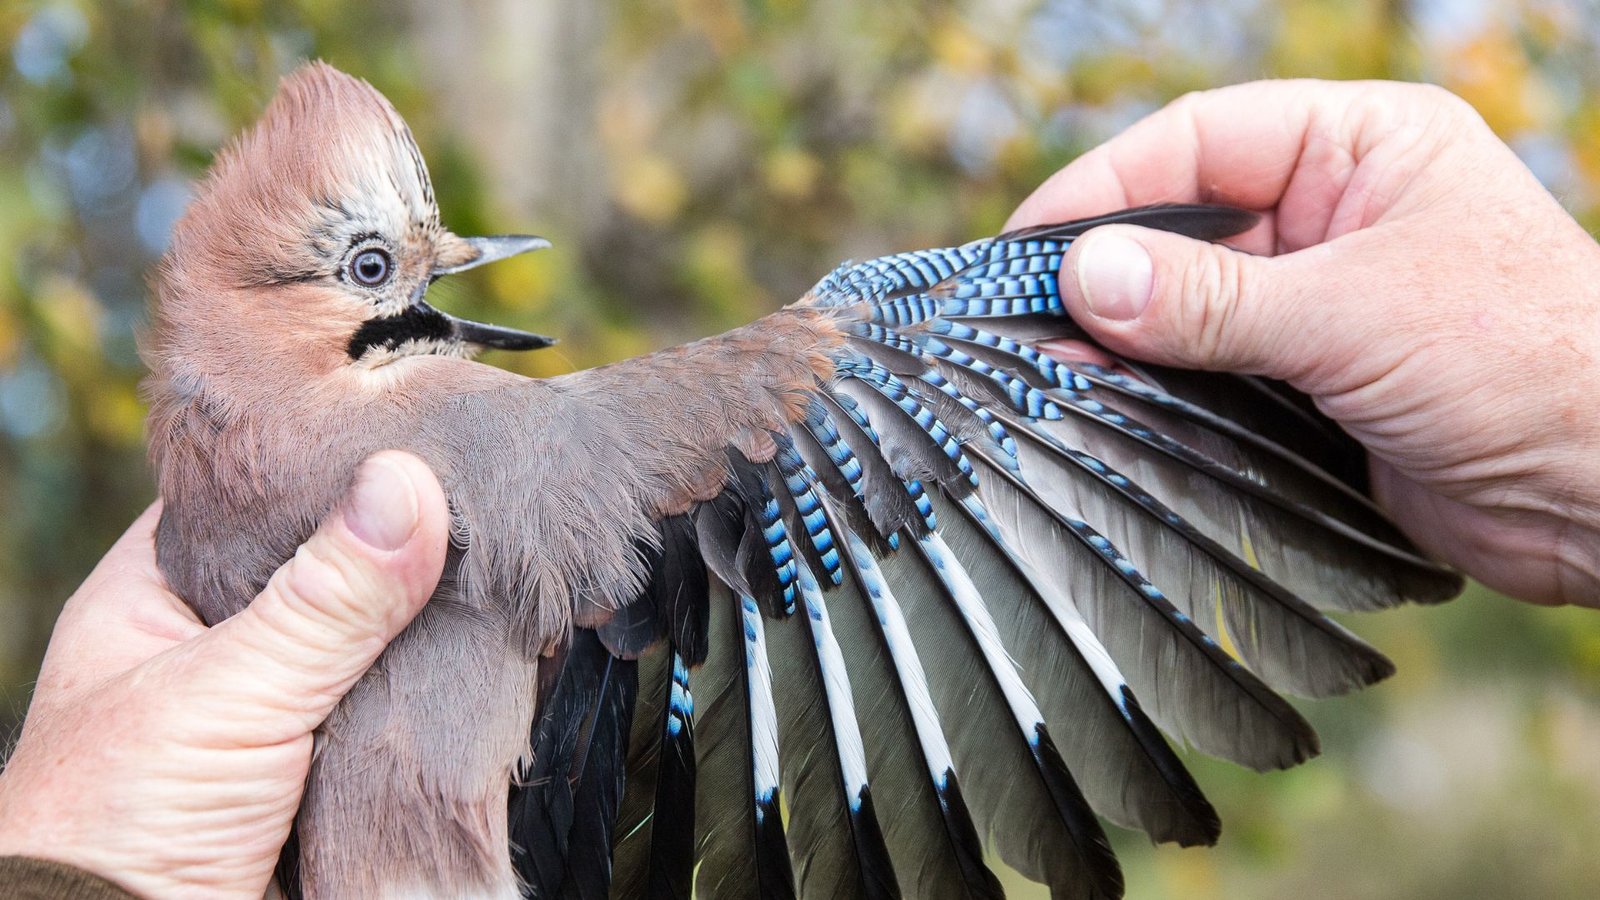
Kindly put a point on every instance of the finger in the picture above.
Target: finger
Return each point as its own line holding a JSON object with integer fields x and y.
{"x": 1168, "y": 299}
{"x": 327, "y": 613}
{"x": 1235, "y": 145}
{"x": 1258, "y": 146}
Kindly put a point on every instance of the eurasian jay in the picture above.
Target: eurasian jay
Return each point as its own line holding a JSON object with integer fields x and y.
{"x": 823, "y": 606}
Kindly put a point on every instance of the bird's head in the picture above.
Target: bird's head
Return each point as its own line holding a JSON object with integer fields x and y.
{"x": 316, "y": 233}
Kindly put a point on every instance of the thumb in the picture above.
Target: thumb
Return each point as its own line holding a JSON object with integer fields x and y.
{"x": 329, "y": 611}
{"x": 1173, "y": 300}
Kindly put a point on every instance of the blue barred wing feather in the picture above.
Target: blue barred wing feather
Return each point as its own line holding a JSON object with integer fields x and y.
{"x": 956, "y": 609}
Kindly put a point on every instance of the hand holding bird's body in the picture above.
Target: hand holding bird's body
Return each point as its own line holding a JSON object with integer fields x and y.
{"x": 168, "y": 757}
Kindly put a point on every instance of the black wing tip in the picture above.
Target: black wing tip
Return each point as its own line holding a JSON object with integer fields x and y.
{"x": 1197, "y": 823}
{"x": 1307, "y": 746}
{"x": 878, "y": 881}
{"x": 1365, "y": 667}
{"x": 771, "y": 847}
{"x": 1379, "y": 668}
{"x": 1209, "y": 222}
{"x": 1102, "y": 871}
{"x": 1369, "y": 665}
{"x": 1201, "y": 221}
{"x": 980, "y": 881}
{"x": 1440, "y": 585}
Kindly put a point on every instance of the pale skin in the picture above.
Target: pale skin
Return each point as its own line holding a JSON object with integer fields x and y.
{"x": 170, "y": 758}
{"x": 1421, "y": 285}
{"x": 1410, "y": 275}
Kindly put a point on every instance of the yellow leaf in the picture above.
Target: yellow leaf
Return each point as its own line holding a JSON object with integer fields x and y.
{"x": 792, "y": 173}
{"x": 1585, "y": 132}
{"x": 10, "y": 340}
{"x": 921, "y": 113}
{"x": 651, "y": 189}
{"x": 1492, "y": 72}
{"x": 71, "y": 318}
{"x": 523, "y": 282}
{"x": 721, "y": 21}
{"x": 1191, "y": 875}
{"x": 956, "y": 47}
{"x": 115, "y": 414}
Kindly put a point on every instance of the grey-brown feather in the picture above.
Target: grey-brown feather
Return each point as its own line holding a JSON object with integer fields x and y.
{"x": 555, "y": 484}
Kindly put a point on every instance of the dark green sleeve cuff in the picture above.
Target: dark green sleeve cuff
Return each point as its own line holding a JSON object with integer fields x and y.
{"x": 23, "y": 878}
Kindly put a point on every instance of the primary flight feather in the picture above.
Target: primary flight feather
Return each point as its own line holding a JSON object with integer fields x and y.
{"x": 841, "y": 603}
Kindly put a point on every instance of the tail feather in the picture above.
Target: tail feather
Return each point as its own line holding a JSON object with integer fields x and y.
{"x": 561, "y": 796}
{"x": 636, "y": 815}
{"x": 653, "y": 851}
{"x": 600, "y": 766}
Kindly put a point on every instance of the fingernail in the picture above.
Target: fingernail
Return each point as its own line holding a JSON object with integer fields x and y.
{"x": 382, "y": 510}
{"x": 1115, "y": 276}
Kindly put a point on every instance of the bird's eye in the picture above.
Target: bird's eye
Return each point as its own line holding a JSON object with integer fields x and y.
{"x": 371, "y": 267}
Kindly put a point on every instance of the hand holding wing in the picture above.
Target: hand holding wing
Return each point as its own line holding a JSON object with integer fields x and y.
{"x": 930, "y": 585}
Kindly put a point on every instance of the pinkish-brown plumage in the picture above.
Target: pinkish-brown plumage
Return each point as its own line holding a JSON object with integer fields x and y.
{"x": 259, "y": 417}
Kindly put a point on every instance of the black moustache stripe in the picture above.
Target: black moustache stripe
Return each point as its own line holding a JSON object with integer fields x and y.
{"x": 416, "y": 323}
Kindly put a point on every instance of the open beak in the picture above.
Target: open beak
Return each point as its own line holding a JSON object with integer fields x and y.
{"x": 498, "y": 337}
{"x": 494, "y": 249}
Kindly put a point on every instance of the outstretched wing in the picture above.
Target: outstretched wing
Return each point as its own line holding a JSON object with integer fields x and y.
{"x": 917, "y": 590}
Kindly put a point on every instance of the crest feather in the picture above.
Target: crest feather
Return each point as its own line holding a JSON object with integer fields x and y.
{"x": 329, "y": 146}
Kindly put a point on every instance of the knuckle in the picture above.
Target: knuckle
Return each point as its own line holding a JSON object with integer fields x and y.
{"x": 1443, "y": 110}
{"x": 1209, "y": 292}
{"x": 317, "y": 582}
{"x": 1188, "y": 99}
{"x": 1439, "y": 98}
{"x": 1187, "y": 108}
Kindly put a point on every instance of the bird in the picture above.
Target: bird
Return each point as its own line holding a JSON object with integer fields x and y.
{"x": 861, "y": 599}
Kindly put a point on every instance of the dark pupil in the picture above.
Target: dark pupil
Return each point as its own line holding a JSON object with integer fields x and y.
{"x": 371, "y": 267}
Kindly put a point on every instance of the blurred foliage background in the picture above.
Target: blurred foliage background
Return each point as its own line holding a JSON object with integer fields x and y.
{"x": 699, "y": 162}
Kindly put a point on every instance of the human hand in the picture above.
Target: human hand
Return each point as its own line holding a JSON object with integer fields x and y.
{"x": 169, "y": 757}
{"x": 1413, "y": 278}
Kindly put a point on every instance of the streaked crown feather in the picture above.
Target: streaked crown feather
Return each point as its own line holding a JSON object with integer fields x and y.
{"x": 329, "y": 157}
